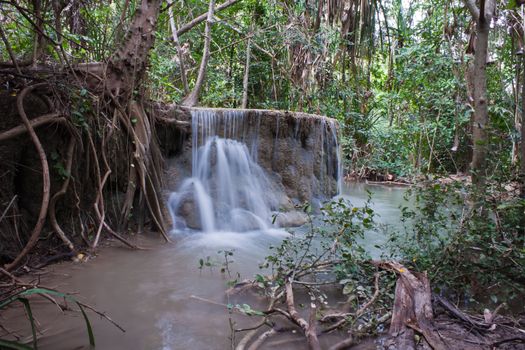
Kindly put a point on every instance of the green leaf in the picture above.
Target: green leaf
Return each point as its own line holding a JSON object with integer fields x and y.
{"x": 8, "y": 344}
{"x": 348, "y": 288}
{"x": 88, "y": 326}
{"x": 31, "y": 320}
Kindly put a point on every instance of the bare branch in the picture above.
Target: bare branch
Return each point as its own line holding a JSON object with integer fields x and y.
{"x": 197, "y": 20}
{"x": 474, "y": 11}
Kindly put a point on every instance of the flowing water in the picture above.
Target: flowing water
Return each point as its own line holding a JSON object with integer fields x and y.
{"x": 161, "y": 296}
{"x": 227, "y": 188}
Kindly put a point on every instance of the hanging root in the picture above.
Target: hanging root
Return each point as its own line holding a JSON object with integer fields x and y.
{"x": 143, "y": 170}
{"x": 21, "y": 129}
{"x": 33, "y": 239}
{"x": 61, "y": 192}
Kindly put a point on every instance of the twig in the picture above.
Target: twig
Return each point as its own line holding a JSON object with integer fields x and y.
{"x": 102, "y": 314}
{"x": 508, "y": 340}
{"x": 262, "y": 338}
{"x": 7, "y": 208}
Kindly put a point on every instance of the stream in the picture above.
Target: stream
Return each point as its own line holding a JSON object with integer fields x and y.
{"x": 149, "y": 293}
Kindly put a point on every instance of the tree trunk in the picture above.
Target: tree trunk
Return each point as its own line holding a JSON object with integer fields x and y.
{"x": 179, "y": 49}
{"x": 246, "y": 74}
{"x": 483, "y": 17}
{"x": 192, "y": 99}
{"x": 127, "y": 66}
{"x": 522, "y": 144}
{"x": 479, "y": 127}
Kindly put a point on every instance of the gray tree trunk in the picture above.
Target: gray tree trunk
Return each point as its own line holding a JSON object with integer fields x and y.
{"x": 192, "y": 99}
{"x": 483, "y": 17}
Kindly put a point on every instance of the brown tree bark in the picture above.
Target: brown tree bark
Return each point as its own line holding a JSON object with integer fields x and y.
{"x": 522, "y": 144}
{"x": 128, "y": 64}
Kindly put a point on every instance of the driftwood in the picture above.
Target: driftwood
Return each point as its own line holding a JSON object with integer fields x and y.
{"x": 307, "y": 327}
{"x": 412, "y": 315}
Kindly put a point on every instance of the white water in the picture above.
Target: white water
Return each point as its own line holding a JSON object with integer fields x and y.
{"x": 228, "y": 190}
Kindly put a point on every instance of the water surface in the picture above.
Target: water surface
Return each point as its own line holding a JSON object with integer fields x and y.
{"x": 149, "y": 293}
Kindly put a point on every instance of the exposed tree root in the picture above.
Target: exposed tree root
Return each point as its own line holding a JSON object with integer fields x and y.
{"x": 61, "y": 192}
{"x": 45, "y": 179}
{"x": 21, "y": 129}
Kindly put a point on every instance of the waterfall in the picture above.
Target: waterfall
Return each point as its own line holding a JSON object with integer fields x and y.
{"x": 231, "y": 189}
{"x": 228, "y": 190}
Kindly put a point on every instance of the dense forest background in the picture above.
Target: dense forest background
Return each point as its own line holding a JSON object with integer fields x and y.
{"x": 395, "y": 74}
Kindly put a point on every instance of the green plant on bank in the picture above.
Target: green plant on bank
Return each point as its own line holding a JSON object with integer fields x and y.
{"x": 22, "y": 297}
{"x": 328, "y": 255}
{"x": 470, "y": 251}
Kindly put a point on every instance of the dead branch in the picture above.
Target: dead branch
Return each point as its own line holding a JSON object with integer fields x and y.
{"x": 308, "y": 329}
{"x": 454, "y": 311}
{"x": 7, "y": 208}
{"x": 508, "y": 340}
{"x": 21, "y": 129}
{"x": 45, "y": 179}
{"x": 173, "y": 121}
{"x": 262, "y": 338}
{"x": 103, "y": 315}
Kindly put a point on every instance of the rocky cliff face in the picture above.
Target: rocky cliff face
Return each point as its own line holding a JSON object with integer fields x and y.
{"x": 299, "y": 151}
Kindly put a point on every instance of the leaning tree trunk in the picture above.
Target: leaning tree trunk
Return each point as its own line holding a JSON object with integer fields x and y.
{"x": 483, "y": 17}
{"x": 125, "y": 73}
{"x": 192, "y": 99}
{"x": 178, "y": 47}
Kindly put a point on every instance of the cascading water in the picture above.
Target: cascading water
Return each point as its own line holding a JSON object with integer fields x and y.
{"x": 229, "y": 190}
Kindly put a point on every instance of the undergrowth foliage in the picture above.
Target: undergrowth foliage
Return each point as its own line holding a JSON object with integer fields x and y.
{"x": 472, "y": 250}
{"x": 324, "y": 259}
